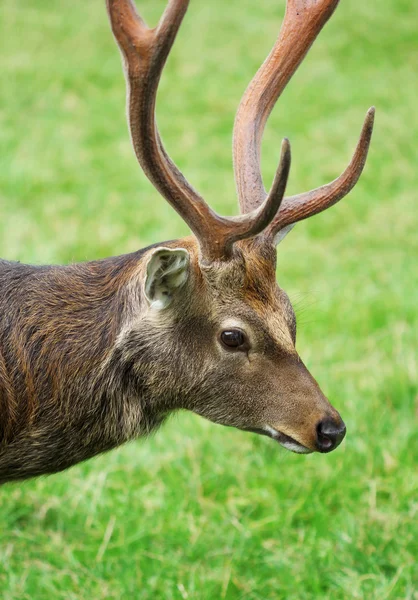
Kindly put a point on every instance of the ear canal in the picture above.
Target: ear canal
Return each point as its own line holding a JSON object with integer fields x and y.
{"x": 167, "y": 272}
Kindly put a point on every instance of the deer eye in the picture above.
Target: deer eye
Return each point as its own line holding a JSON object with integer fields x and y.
{"x": 234, "y": 339}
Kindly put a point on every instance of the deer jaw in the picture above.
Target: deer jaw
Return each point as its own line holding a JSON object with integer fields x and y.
{"x": 179, "y": 354}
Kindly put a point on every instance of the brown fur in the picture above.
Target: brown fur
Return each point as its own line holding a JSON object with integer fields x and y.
{"x": 86, "y": 364}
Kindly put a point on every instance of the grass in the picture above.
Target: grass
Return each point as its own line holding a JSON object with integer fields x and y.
{"x": 199, "y": 511}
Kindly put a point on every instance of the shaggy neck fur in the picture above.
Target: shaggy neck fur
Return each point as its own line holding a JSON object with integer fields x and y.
{"x": 58, "y": 328}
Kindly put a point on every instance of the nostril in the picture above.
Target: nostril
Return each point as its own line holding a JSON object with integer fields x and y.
{"x": 329, "y": 434}
{"x": 324, "y": 442}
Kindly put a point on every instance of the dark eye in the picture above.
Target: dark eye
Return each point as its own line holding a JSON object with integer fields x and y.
{"x": 234, "y": 339}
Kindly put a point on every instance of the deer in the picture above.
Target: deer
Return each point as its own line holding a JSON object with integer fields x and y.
{"x": 95, "y": 354}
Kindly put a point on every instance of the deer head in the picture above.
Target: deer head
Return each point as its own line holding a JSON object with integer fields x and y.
{"x": 215, "y": 334}
{"x": 97, "y": 353}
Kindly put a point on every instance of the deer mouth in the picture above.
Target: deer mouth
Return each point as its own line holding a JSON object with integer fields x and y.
{"x": 284, "y": 440}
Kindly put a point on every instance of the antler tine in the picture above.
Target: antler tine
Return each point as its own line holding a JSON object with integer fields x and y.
{"x": 303, "y": 21}
{"x": 261, "y": 217}
{"x": 301, "y": 206}
{"x": 145, "y": 52}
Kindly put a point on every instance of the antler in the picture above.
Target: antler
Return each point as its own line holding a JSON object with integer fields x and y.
{"x": 307, "y": 204}
{"x": 303, "y": 21}
{"x": 145, "y": 52}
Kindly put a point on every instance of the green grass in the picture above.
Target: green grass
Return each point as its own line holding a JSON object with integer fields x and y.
{"x": 199, "y": 511}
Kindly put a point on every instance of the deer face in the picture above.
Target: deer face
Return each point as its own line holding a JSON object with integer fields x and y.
{"x": 223, "y": 345}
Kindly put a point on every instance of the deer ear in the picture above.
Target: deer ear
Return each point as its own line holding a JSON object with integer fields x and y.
{"x": 167, "y": 272}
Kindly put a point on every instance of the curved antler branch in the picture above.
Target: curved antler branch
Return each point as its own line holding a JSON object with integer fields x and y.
{"x": 145, "y": 52}
{"x": 302, "y": 23}
{"x": 262, "y": 216}
{"x": 301, "y": 206}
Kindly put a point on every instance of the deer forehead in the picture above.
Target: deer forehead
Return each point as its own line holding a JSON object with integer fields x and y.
{"x": 250, "y": 274}
{"x": 246, "y": 297}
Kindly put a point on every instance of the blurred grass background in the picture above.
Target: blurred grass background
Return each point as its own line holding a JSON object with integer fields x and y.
{"x": 200, "y": 511}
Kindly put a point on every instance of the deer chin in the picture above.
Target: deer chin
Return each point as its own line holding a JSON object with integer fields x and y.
{"x": 284, "y": 440}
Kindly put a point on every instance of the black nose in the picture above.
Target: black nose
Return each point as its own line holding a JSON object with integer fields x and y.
{"x": 329, "y": 434}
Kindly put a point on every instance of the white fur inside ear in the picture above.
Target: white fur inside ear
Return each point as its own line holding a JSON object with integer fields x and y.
{"x": 167, "y": 272}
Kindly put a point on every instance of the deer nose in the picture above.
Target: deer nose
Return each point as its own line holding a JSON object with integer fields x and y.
{"x": 329, "y": 434}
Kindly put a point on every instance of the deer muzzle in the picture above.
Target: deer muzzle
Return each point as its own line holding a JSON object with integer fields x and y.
{"x": 330, "y": 432}
{"x": 303, "y": 420}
